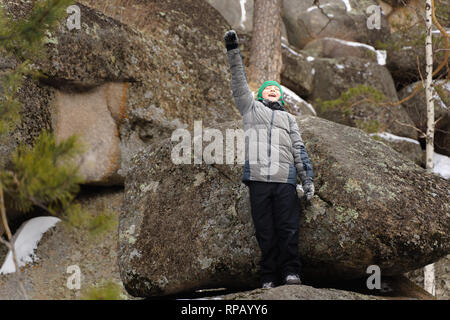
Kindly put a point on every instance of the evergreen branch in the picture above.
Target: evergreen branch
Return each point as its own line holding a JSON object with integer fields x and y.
{"x": 34, "y": 179}
{"x": 362, "y": 101}
{"x": 29, "y": 182}
{"x": 24, "y": 37}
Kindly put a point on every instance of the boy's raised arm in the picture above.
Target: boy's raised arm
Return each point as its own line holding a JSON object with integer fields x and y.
{"x": 242, "y": 95}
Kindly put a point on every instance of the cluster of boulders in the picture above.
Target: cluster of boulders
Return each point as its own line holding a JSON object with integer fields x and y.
{"x": 124, "y": 83}
{"x": 363, "y": 212}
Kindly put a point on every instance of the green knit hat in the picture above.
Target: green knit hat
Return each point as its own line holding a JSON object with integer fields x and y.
{"x": 265, "y": 85}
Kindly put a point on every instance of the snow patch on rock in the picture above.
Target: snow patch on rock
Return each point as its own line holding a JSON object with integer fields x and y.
{"x": 26, "y": 240}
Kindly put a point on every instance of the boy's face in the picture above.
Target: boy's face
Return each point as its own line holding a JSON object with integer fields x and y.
{"x": 271, "y": 93}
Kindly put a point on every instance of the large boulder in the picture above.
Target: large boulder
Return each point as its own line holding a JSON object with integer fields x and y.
{"x": 120, "y": 88}
{"x": 417, "y": 110}
{"x": 188, "y": 226}
{"x": 167, "y": 68}
{"x": 297, "y": 71}
{"x": 335, "y": 48}
{"x": 385, "y": 207}
{"x": 296, "y": 105}
{"x": 120, "y": 85}
{"x": 347, "y": 20}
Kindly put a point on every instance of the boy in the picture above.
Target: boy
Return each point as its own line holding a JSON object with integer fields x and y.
{"x": 272, "y": 179}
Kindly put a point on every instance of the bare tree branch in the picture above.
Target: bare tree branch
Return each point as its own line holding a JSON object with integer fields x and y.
{"x": 409, "y": 125}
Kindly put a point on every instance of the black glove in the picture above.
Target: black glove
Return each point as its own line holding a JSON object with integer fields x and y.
{"x": 231, "y": 40}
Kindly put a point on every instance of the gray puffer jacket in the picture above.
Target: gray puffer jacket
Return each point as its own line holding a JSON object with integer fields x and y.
{"x": 274, "y": 149}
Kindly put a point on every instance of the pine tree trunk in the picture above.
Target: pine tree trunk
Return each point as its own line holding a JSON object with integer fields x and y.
{"x": 429, "y": 282}
{"x": 265, "y": 51}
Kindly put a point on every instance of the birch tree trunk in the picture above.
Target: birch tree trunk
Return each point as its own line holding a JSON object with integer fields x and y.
{"x": 429, "y": 282}
{"x": 265, "y": 49}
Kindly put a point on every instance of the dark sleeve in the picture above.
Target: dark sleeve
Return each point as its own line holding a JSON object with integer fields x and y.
{"x": 301, "y": 159}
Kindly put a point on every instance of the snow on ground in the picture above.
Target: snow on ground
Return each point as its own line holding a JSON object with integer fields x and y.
{"x": 441, "y": 165}
{"x": 243, "y": 13}
{"x": 26, "y": 240}
{"x": 393, "y": 137}
{"x": 298, "y": 54}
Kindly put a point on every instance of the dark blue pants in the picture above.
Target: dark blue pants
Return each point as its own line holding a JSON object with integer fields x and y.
{"x": 275, "y": 212}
